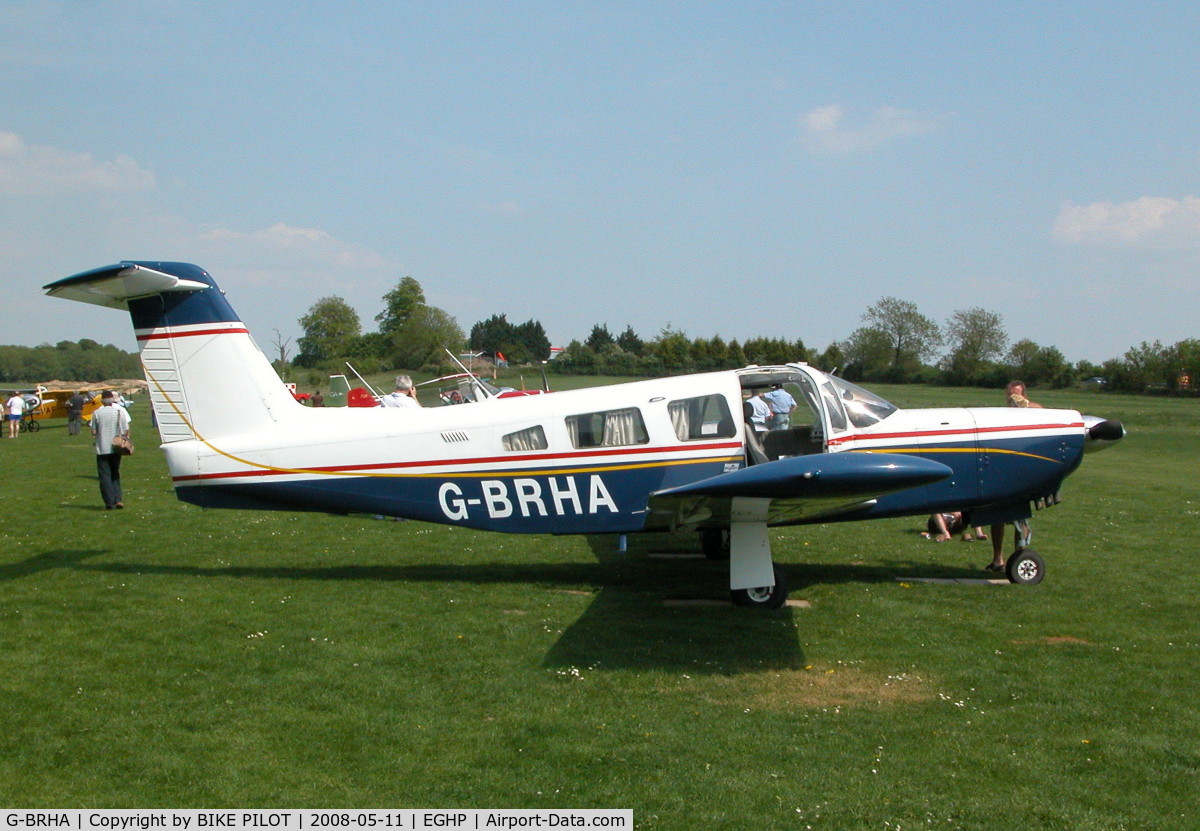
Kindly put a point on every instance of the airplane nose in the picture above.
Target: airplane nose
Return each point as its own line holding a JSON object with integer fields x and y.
{"x": 1101, "y": 432}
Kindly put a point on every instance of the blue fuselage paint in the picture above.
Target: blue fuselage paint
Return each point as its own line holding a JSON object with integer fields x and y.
{"x": 599, "y": 499}
{"x": 614, "y": 498}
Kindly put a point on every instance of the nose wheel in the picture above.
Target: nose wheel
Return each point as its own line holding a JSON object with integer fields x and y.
{"x": 1025, "y": 568}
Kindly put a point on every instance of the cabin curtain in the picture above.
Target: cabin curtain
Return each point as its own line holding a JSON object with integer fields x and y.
{"x": 681, "y": 419}
{"x": 621, "y": 427}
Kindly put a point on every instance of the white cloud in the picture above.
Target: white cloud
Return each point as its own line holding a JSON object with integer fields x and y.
{"x": 41, "y": 170}
{"x": 290, "y": 247}
{"x": 1157, "y": 222}
{"x": 827, "y": 130}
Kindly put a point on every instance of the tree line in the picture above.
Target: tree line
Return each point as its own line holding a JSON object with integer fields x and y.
{"x": 84, "y": 360}
{"x": 895, "y": 344}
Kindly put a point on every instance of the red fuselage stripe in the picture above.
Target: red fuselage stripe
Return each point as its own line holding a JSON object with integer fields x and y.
{"x": 964, "y": 431}
{"x": 474, "y": 462}
{"x": 166, "y": 335}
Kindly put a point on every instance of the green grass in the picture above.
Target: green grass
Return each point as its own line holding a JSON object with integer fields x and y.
{"x": 165, "y": 656}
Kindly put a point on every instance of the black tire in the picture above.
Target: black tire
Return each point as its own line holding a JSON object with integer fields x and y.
{"x": 766, "y": 597}
{"x": 1026, "y": 568}
{"x": 714, "y": 542}
{"x": 32, "y": 426}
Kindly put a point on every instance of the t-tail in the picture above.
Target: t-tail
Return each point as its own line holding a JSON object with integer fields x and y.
{"x": 197, "y": 355}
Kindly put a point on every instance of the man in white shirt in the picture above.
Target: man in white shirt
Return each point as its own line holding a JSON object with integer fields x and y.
{"x": 404, "y": 396}
{"x": 108, "y": 422}
{"x": 758, "y": 412}
{"x": 14, "y": 409}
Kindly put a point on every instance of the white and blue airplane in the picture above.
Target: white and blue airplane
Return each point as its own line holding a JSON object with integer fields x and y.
{"x": 673, "y": 454}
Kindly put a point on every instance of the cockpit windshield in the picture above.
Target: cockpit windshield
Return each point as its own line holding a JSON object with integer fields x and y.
{"x": 863, "y": 408}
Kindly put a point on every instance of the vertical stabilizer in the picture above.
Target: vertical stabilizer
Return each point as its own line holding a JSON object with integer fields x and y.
{"x": 197, "y": 355}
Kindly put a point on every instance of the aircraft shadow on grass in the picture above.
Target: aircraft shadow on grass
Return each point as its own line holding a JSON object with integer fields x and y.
{"x": 627, "y": 624}
{"x": 657, "y": 606}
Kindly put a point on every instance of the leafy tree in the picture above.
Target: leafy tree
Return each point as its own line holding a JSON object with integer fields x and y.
{"x": 709, "y": 354}
{"x": 1187, "y": 353}
{"x": 977, "y": 339}
{"x": 911, "y": 337}
{"x": 867, "y": 355}
{"x": 735, "y": 356}
{"x": 1142, "y": 367}
{"x": 491, "y": 335}
{"x": 613, "y": 360}
{"x": 425, "y": 334}
{"x": 1038, "y": 365}
{"x": 769, "y": 351}
{"x": 1084, "y": 370}
{"x": 833, "y": 359}
{"x": 630, "y": 342}
{"x": 599, "y": 337}
{"x": 577, "y": 359}
{"x": 672, "y": 350}
{"x": 399, "y": 304}
{"x": 330, "y": 327}
{"x": 523, "y": 342}
{"x": 370, "y": 352}
{"x": 531, "y": 335}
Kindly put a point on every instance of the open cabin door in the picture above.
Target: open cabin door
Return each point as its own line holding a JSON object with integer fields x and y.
{"x": 802, "y": 421}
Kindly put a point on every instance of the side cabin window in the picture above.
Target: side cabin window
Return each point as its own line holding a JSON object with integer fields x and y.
{"x": 610, "y": 428}
{"x": 704, "y": 417}
{"x": 531, "y": 438}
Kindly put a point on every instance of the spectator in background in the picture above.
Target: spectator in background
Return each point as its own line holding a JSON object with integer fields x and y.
{"x": 1014, "y": 396}
{"x": 404, "y": 396}
{"x": 781, "y": 403}
{"x": 108, "y": 422}
{"x": 14, "y": 408}
{"x": 75, "y": 405}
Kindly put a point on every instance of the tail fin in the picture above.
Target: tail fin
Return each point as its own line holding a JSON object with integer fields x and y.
{"x": 207, "y": 377}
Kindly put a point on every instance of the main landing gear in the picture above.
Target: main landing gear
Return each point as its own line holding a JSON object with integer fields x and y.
{"x": 763, "y": 597}
{"x": 755, "y": 582}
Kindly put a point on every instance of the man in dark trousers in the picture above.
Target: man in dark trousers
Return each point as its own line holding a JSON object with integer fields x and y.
{"x": 108, "y": 422}
{"x": 75, "y": 412}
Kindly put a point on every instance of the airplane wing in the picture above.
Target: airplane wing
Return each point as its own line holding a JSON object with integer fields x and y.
{"x": 114, "y": 285}
{"x": 800, "y": 487}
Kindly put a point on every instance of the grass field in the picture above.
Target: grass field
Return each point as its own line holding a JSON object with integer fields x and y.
{"x": 166, "y": 656}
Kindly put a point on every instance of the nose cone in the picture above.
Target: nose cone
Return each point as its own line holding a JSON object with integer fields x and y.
{"x": 1101, "y": 433}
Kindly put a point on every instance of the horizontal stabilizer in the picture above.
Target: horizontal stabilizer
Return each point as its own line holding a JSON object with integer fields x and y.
{"x": 115, "y": 285}
{"x": 823, "y": 476}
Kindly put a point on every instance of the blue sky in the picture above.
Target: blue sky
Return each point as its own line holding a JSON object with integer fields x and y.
{"x": 737, "y": 169}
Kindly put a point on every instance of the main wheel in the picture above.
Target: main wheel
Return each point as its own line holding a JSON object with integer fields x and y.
{"x": 1026, "y": 568}
{"x": 31, "y": 425}
{"x": 714, "y": 542}
{"x": 765, "y": 597}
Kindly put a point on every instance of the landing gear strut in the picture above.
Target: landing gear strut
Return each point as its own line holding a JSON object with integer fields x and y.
{"x": 754, "y": 580}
